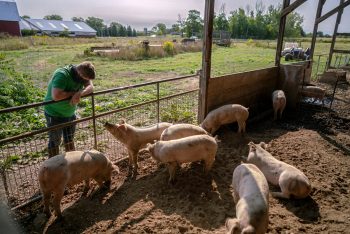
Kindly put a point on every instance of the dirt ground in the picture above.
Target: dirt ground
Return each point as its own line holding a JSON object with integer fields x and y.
{"x": 315, "y": 140}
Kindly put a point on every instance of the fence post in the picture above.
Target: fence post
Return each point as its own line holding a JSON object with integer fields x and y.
{"x": 94, "y": 119}
{"x": 4, "y": 182}
{"x": 318, "y": 64}
{"x": 158, "y": 102}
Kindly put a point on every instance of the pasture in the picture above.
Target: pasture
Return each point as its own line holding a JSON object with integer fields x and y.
{"x": 316, "y": 140}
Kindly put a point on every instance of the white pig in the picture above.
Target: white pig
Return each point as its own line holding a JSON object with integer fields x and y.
{"x": 278, "y": 102}
{"x": 251, "y": 195}
{"x": 71, "y": 168}
{"x": 224, "y": 115}
{"x": 291, "y": 180}
{"x": 184, "y": 150}
{"x": 135, "y": 138}
{"x": 177, "y": 131}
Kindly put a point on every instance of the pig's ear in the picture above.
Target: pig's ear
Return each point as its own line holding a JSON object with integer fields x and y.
{"x": 217, "y": 139}
{"x": 115, "y": 168}
{"x": 122, "y": 127}
{"x": 263, "y": 145}
{"x": 122, "y": 121}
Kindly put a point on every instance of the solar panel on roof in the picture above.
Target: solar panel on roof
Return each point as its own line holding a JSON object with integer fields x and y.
{"x": 78, "y": 26}
{"x": 39, "y": 24}
{"x": 52, "y": 25}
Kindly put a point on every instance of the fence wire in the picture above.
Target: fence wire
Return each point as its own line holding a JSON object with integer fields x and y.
{"x": 20, "y": 159}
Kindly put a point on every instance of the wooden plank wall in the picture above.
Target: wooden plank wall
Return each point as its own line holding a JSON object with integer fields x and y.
{"x": 252, "y": 89}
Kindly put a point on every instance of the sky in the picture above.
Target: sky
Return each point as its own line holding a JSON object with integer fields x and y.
{"x": 147, "y": 13}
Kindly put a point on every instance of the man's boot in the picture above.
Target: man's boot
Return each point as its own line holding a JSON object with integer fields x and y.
{"x": 69, "y": 146}
{"x": 53, "y": 151}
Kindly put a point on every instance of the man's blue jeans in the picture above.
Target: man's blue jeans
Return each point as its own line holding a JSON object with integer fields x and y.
{"x": 55, "y": 136}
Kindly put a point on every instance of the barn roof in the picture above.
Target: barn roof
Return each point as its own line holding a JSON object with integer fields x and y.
{"x": 56, "y": 25}
{"x": 9, "y": 11}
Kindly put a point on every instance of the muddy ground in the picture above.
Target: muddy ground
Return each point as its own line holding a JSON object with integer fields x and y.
{"x": 316, "y": 140}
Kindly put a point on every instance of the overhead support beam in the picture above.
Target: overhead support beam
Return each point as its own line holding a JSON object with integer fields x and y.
{"x": 206, "y": 59}
{"x": 281, "y": 34}
{"x": 340, "y": 13}
{"x": 292, "y": 7}
{"x": 335, "y": 10}
{"x": 314, "y": 34}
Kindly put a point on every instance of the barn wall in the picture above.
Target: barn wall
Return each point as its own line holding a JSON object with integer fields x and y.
{"x": 11, "y": 27}
{"x": 252, "y": 89}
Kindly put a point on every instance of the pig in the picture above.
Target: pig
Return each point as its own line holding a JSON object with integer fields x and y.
{"x": 135, "y": 138}
{"x": 60, "y": 171}
{"x": 251, "y": 195}
{"x": 177, "y": 131}
{"x": 314, "y": 92}
{"x": 184, "y": 150}
{"x": 226, "y": 114}
{"x": 278, "y": 102}
{"x": 292, "y": 181}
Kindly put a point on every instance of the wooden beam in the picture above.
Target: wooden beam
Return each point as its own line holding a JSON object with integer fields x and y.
{"x": 334, "y": 37}
{"x": 206, "y": 59}
{"x": 281, "y": 34}
{"x": 292, "y": 7}
{"x": 314, "y": 34}
{"x": 342, "y": 51}
{"x": 330, "y": 13}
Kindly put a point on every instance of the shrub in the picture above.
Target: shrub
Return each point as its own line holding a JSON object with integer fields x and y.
{"x": 168, "y": 47}
{"x": 250, "y": 42}
{"x": 16, "y": 90}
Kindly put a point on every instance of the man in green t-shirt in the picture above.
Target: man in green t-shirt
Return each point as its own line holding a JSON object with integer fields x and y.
{"x": 67, "y": 82}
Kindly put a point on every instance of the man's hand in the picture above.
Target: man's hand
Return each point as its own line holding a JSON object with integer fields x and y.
{"x": 76, "y": 98}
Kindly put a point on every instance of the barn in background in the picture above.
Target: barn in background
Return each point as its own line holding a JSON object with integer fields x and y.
{"x": 9, "y": 18}
{"x": 58, "y": 27}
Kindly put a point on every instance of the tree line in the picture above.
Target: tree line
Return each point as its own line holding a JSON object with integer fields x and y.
{"x": 258, "y": 22}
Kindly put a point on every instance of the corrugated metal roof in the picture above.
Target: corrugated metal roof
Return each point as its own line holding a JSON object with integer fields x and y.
{"x": 59, "y": 26}
{"x": 9, "y": 11}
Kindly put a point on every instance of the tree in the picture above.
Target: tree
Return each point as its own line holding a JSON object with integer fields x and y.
{"x": 122, "y": 31}
{"x": 114, "y": 29}
{"x": 78, "y": 19}
{"x": 97, "y": 24}
{"x": 25, "y": 17}
{"x": 181, "y": 23}
{"x": 129, "y": 31}
{"x": 53, "y": 17}
{"x": 220, "y": 21}
{"x": 160, "y": 29}
{"x": 134, "y": 34}
{"x": 193, "y": 23}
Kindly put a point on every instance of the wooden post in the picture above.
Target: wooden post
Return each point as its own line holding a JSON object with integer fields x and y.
{"x": 281, "y": 33}
{"x": 314, "y": 34}
{"x": 206, "y": 59}
{"x": 339, "y": 15}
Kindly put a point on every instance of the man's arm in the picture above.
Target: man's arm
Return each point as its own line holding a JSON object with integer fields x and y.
{"x": 88, "y": 88}
{"x": 59, "y": 94}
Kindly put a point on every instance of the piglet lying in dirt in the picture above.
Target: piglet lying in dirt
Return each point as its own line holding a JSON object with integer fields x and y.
{"x": 224, "y": 115}
{"x": 251, "y": 195}
{"x": 292, "y": 181}
{"x": 71, "y": 168}
{"x": 135, "y": 138}
{"x": 279, "y": 103}
{"x": 314, "y": 92}
{"x": 184, "y": 150}
{"x": 177, "y": 131}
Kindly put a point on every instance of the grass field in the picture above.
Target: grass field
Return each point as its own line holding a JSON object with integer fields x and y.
{"x": 43, "y": 55}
